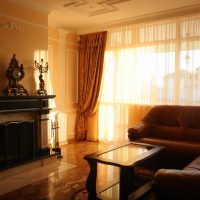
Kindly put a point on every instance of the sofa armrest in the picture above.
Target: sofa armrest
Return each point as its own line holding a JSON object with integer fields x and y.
{"x": 177, "y": 184}
{"x": 140, "y": 130}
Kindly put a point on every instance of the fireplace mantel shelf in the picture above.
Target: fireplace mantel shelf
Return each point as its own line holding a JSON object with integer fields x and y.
{"x": 27, "y": 97}
{"x": 10, "y": 104}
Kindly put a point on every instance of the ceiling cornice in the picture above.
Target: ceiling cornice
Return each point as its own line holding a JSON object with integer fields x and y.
{"x": 154, "y": 16}
{"x": 173, "y": 13}
{"x": 31, "y": 4}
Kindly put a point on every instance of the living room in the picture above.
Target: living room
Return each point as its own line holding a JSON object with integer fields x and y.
{"x": 163, "y": 37}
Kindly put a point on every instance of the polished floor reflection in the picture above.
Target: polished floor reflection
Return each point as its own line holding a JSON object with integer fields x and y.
{"x": 20, "y": 180}
{"x": 46, "y": 183}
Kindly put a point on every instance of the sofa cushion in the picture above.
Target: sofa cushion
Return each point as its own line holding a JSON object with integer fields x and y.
{"x": 167, "y": 132}
{"x": 176, "y": 133}
{"x": 190, "y": 134}
{"x": 189, "y": 116}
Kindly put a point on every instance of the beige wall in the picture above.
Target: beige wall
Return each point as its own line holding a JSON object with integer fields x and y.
{"x": 63, "y": 58}
{"x": 23, "y": 32}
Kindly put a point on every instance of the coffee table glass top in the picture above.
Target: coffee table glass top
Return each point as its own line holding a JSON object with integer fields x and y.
{"x": 126, "y": 152}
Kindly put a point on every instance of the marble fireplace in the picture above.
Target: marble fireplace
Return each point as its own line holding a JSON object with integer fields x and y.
{"x": 23, "y": 129}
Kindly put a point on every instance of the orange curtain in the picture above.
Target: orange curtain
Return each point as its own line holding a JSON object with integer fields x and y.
{"x": 91, "y": 57}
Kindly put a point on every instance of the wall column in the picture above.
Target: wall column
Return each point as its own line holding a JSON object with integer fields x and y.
{"x": 62, "y": 120}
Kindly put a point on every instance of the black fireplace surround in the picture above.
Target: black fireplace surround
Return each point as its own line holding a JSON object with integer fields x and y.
{"x": 20, "y": 141}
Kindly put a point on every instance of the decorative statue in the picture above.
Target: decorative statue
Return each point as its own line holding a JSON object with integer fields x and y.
{"x": 15, "y": 74}
{"x": 42, "y": 69}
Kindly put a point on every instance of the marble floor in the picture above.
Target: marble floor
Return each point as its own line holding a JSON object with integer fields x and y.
{"x": 20, "y": 180}
{"x": 45, "y": 182}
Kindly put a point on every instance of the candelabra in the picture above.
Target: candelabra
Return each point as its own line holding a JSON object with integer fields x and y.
{"x": 42, "y": 69}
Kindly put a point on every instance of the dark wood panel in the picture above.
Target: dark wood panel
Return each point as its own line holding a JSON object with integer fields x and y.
{"x": 10, "y": 104}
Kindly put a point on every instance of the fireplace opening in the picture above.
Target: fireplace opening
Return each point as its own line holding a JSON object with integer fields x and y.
{"x": 17, "y": 142}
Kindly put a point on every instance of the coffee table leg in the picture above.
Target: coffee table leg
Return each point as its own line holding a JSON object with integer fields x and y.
{"x": 91, "y": 181}
{"x": 124, "y": 183}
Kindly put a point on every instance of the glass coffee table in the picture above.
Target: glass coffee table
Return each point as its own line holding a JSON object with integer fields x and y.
{"x": 125, "y": 157}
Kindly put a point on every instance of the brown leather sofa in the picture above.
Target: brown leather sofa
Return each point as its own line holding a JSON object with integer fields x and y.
{"x": 178, "y": 129}
{"x": 173, "y": 184}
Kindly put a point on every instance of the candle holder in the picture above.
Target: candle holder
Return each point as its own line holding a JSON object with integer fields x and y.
{"x": 42, "y": 69}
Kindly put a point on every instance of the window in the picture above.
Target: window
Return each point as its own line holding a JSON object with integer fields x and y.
{"x": 147, "y": 64}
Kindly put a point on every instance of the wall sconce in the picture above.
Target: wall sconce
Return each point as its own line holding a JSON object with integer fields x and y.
{"x": 42, "y": 69}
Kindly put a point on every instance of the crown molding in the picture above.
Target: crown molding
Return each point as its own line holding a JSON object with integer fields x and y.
{"x": 23, "y": 21}
{"x": 31, "y": 4}
{"x": 168, "y": 14}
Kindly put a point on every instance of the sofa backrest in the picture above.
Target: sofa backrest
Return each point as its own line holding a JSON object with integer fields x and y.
{"x": 173, "y": 121}
{"x": 170, "y": 115}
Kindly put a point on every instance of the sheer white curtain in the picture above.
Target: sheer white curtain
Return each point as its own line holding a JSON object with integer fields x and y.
{"x": 155, "y": 63}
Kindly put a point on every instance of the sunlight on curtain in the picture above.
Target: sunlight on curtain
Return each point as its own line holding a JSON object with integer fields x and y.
{"x": 189, "y": 82}
{"x": 148, "y": 64}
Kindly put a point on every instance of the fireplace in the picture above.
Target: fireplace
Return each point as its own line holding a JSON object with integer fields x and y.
{"x": 17, "y": 141}
{"x": 23, "y": 129}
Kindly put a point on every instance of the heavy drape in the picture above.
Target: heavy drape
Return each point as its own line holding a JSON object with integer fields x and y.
{"x": 91, "y": 57}
{"x": 148, "y": 64}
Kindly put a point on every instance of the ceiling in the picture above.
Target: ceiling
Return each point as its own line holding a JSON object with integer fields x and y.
{"x": 88, "y": 15}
